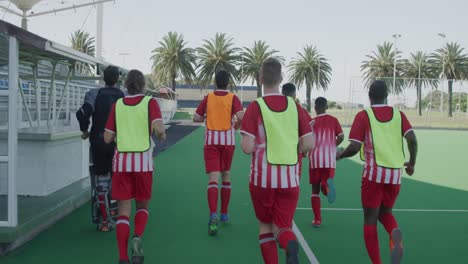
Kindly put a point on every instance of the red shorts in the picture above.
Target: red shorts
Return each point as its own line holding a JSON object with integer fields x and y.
{"x": 218, "y": 158}
{"x": 132, "y": 185}
{"x": 275, "y": 206}
{"x": 316, "y": 176}
{"x": 376, "y": 195}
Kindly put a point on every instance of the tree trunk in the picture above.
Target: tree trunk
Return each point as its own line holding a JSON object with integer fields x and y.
{"x": 173, "y": 83}
{"x": 308, "y": 93}
{"x": 450, "y": 84}
{"x": 418, "y": 88}
{"x": 259, "y": 86}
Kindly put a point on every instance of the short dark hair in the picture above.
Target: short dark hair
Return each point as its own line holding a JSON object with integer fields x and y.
{"x": 222, "y": 78}
{"x": 111, "y": 75}
{"x": 378, "y": 91}
{"x": 288, "y": 89}
{"x": 321, "y": 103}
{"x": 135, "y": 82}
{"x": 271, "y": 72}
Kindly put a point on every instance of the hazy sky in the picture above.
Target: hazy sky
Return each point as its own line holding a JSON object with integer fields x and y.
{"x": 344, "y": 31}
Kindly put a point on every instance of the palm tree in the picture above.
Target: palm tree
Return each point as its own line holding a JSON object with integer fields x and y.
{"x": 420, "y": 72}
{"x": 379, "y": 66}
{"x": 173, "y": 60}
{"x": 83, "y": 42}
{"x": 215, "y": 54}
{"x": 252, "y": 59}
{"x": 310, "y": 67}
{"x": 452, "y": 63}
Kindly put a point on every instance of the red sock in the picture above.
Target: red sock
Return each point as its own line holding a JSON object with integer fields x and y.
{"x": 123, "y": 233}
{"x": 389, "y": 222}
{"x": 103, "y": 208}
{"x": 284, "y": 236}
{"x": 213, "y": 197}
{"x": 141, "y": 218}
{"x": 269, "y": 248}
{"x": 372, "y": 243}
{"x": 315, "y": 200}
{"x": 225, "y": 196}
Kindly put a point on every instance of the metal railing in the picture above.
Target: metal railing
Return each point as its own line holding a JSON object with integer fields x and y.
{"x": 46, "y": 102}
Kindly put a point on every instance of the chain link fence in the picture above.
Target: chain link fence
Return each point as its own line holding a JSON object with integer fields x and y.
{"x": 432, "y": 110}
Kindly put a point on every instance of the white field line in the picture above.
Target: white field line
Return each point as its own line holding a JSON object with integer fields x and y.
{"x": 304, "y": 245}
{"x": 395, "y": 210}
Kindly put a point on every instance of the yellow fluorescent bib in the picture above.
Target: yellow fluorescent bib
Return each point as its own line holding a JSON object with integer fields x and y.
{"x": 386, "y": 140}
{"x": 282, "y": 133}
{"x": 133, "y": 127}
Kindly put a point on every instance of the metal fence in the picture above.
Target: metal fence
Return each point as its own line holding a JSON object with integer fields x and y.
{"x": 434, "y": 101}
{"x": 45, "y": 102}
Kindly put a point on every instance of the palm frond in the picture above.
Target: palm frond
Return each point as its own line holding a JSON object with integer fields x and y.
{"x": 173, "y": 60}
{"x": 310, "y": 68}
{"x": 215, "y": 54}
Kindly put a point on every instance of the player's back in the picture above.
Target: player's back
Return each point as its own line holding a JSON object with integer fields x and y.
{"x": 326, "y": 128}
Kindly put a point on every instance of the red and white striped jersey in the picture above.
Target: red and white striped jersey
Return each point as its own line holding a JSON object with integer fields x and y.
{"x": 138, "y": 161}
{"x": 375, "y": 173}
{"x": 361, "y": 132}
{"x": 262, "y": 173}
{"x": 224, "y": 138}
{"x": 326, "y": 128}
{"x": 133, "y": 162}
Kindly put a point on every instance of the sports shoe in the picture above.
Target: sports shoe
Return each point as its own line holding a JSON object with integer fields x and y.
{"x": 104, "y": 227}
{"x": 331, "y": 192}
{"x": 292, "y": 252}
{"x": 213, "y": 225}
{"x": 316, "y": 223}
{"x": 224, "y": 218}
{"x": 137, "y": 251}
{"x": 396, "y": 246}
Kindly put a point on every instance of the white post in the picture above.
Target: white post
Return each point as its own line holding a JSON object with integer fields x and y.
{"x": 37, "y": 91}
{"x": 466, "y": 112}
{"x": 67, "y": 109}
{"x": 52, "y": 100}
{"x": 13, "y": 77}
{"x": 318, "y": 74}
{"x": 99, "y": 22}
{"x": 24, "y": 21}
{"x": 442, "y": 84}
{"x": 23, "y": 99}
{"x": 242, "y": 77}
{"x": 65, "y": 90}
{"x": 420, "y": 87}
{"x": 442, "y": 35}
{"x": 395, "y": 37}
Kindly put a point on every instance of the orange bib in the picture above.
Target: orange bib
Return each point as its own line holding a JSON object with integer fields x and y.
{"x": 219, "y": 112}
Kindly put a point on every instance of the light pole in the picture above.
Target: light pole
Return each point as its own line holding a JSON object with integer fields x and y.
{"x": 395, "y": 38}
{"x": 442, "y": 35}
{"x": 99, "y": 25}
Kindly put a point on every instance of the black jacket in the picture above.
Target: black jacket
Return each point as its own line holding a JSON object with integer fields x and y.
{"x": 97, "y": 104}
